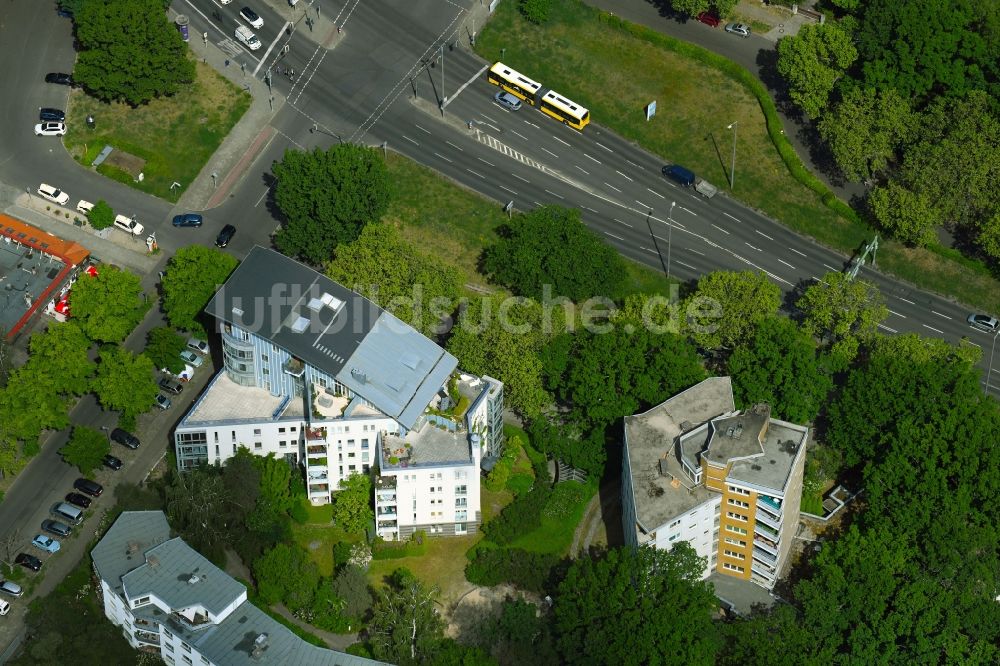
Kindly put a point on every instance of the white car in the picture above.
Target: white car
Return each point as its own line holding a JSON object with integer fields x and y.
{"x": 53, "y": 194}
{"x": 200, "y": 346}
{"x": 50, "y": 129}
{"x": 128, "y": 224}
{"x": 251, "y": 17}
{"x": 191, "y": 358}
{"x": 740, "y": 29}
{"x": 84, "y": 207}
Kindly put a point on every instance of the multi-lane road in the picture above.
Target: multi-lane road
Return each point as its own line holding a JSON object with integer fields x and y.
{"x": 382, "y": 84}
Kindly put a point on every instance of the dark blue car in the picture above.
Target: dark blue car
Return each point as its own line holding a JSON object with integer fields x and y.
{"x": 51, "y": 115}
{"x": 187, "y": 220}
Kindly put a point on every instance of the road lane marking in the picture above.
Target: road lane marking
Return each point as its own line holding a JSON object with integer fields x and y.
{"x": 678, "y": 261}
{"x": 591, "y": 158}
{"x": 751, "y": 246}
{"x": 656, "y": 193}
{"x": 613, "y": 236}
{"x": 787, "y": 264}
{"x": 266, "y": 190}
{"x": 688, "y": 210}
{"x": 485, "y": 162}
{"x": 421, "y": 128}
{"x": 410, "y": 140}
{"x": 620, "y": 222}
{"x": 604, "y": 147}
{"x": 633, "y": 163}
{"x": 763, "y": 234}
{"x": 492, "y": 120}
{"x": 897, "y": 314}
{"x": 589, "y": 208}
{"x": 509, "y": 190}
{"x": 519, "y": 134}
{"x": 801, "y": 254}
{"x": 623, "y": 175}
{"x": 519, "y": 178}
{"x": 940, "y": 315}
{"x": 884, "y": 327}
{"x": 936, "y": 330}
{"x": 613, "y": 187}
{"x": 493, "y": 127}
{"x": 555, "y": 195}
{"x": 532, "y": 124}
{"x": 536, "y": 203}
{"x": 444, "y": 158}
{"x": 831, "y": 268}
{"x": 559, "y": 140}
{"x": 721, "y": 229}
{"x": 583, "y": 170}
{"x": 646, "y": 206}
{"x": 695, "y": 251}
{"x": 549, "y": 152}
{"x": 649, "y": 250}
{"x": 732, "y": 218}
{"x": 906, "y": 300}
{"x": 475, "y": 173}
{"x": 454, "y": 146}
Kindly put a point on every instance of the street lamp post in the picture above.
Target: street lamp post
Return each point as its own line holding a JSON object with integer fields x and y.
{"x": 732, "y": 170}
{"x": 670, "y": 235}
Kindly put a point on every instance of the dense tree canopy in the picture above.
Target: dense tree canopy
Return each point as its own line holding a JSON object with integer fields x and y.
{"x": 551, "y": 246}
{"x": 813, "y": 61}
{"x": 613, "y": 610}
{"x": 421, "y": 289}
{"x": 60, "y": 355}
{"x": 108, "y": 306}
{"x": 780, "y": 366}
{"x": 406, "y": 628}
{"x": 843, "y": 311}
{"x": 86, "y": 449}
{"x": 125, "y": 382}
{"x": 191, "y": 279}
{"x": 727, "y": 307}
{"x": 327, "y": 197}
{"x": 163, "y": 347}
{"x": 129, "y": 51}
{"x": 352, "y": 504}
{"x": 287, "y": 574}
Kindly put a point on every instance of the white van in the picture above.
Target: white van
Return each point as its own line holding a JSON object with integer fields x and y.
{"x": 245, "y": 35}
{"x": 127, "y": 224}
{"x": 68, "y": 512}
{"x": 4, "y": 607}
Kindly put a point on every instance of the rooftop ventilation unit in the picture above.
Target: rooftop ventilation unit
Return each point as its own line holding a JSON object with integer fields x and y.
{"x": 259, "y": 645}
{"x": 331, "y": 301}
{"x": 359, "y": 375}
{"x": 193, "y": 579}
{"x": 314, "y": 304}
{"x": 300, "y": 324}
{"x": 237, "y": 311}
{"x": 410, "y": 360}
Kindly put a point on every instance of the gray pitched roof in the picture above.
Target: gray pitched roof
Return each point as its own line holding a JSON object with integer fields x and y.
{"x": 125, "y": 543}
{"x": 335, "y": 330}
{"x": 182, "y": 577}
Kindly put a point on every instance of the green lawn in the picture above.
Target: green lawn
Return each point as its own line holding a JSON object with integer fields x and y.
{"x": 615, "y": 69}
{"x": 559, "y": 519}
{"x": 442, "y": 565}
{"x": 175, "y": 135}
{"x": 319, "y": 540}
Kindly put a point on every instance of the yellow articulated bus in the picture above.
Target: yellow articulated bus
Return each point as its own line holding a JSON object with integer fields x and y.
{"x": 550, "y": 102}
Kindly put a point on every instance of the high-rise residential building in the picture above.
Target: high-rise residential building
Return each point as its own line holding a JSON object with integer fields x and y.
{"x": 726, "y": 481}
{"x": 171, "y": 601}
{"x": 330, "y": 382}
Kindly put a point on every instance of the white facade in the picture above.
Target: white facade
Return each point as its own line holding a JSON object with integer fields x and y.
{"x": 699, "y": 527}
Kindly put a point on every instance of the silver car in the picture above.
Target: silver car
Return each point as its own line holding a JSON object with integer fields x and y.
{"x": 984, "y": 323}
{"x": 738, "y": 29}
{"x": 507, "y": 101}
{"x": 11, "y": 588}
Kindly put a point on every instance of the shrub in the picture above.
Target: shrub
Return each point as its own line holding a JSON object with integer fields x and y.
{"x": 536, "y": 11}
{"x": 565, "y": 497}
{"x": 520, "y": 483}
{"x": 341, "y": 553}
{"x": 394, "y": 550}
{"x": 520, "y": 516}
{"x": 528, "y": 571}
{"x": 496, "y": 480}
{"x": 299, "y": 513}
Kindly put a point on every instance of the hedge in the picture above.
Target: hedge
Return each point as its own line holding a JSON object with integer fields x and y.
{"x": 415, "y": 546}
{"x": 528, "y": 571}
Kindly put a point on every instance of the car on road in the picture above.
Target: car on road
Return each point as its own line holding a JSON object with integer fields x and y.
{"x": 710, "y": 19}
{"x": 57, "y": 115}
{"x": 226, "y": 235}
{"x": 162, "y": 401}
{"x": 679, "y": 174}
{"x": 50, "y": 129}
{"x": 200, "y": 346}
{"x": 171, "y": 385}
{"x": 187, "y": 220}
{"x": 84, "y": 207}
{"x": 28, "y": 561}
{"x": 125, "y": 438}
{"x": 11, "y": 588}
{"x": 53, "y": 194}
{"x": 251, "y": 17}
{"x": 507, "y": 101}
{"x": 984, "y": 322}
{"x": 46, "y": 543}
{"x": 60, "y": 78}
{"x": 76, "y": 499}
{"x": 57, "y": 527}
{"x": 111, "y": 462}
{"x": 740, "y": 29}
{"x": 92, "y": 488}
{"x": 128, "y": 224}
{"x": 189, "y": 356}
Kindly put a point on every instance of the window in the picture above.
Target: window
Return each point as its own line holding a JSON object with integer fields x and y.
{"x": 460, "y": 528}
{"x": 186, "y": 659}
{"x": 352, "y": 468}
{"x": 364, "y": 457}
{"x": 169, "y": 646}
{"x": 258, "y": 445}
{"x": 234, "y": 448}
{"x": 293, "y": 429}
{"x": 461, "y": 490}
{"x": 265, "y": 371}
{"x": 365, "y": 468}
{"x": 216, "y": 450}
{"x": 739, "y": 491}
{"x": 263, "y": 357}
{"x": 735, "y": 555}
{"x": 736, "y": 542}
{"x": 672, "y": 537}
{"x": 282, "y": 443}
{"x": 234, "y": 435}
{"x": 281, "y": 430}
{"x": 141, "y": 601}
{"x": 736, "y": 516}
{"x": 352, "y": 454}
{"x": 166, "y": 632}
{"x": 187, "y": 648}
{"x": 732, "y": 567}
{"x": 739, "y": 503}
{"x": 675, "y": 523}
{"x": 736, "y": 530}
{"x": 216, "y": 433}
{"x": 461, "y": 502}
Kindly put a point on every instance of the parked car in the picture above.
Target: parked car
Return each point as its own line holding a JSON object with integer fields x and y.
{"x": 740, "y": 29}
{"x": 188, "y": 220}
{"x": 171, "y": 385}
{"x": 984, "y": 322}
{"x": 710, "y": 18}
{"x": 92, "y": 488}
{"x": 189, "y": 356}
{"x": 28, "y": 561}
{"x": 679, "y": 174}
{"x": 226, "y": 235}
{"x": 76, "y": 499}
{"x": 57, "y": 527}
{"x": 125, "y": 438}
{"x": 50, "y": 129}
{"x": 60, "y": 78}
{"x": 4, "y": 607}
{"x": 46, "y": 543}
{"x": 84, "y": 207}
{"x": 507, "y": 101}
{"x": 46, "y": 113}
{"x": 111, "y": 462}
{"x": 200, "y": 346}
{"x": 11, "y": 588}
{"x": 251, "y": 17}
{"x": 162, "y": 401}
{"x": 128, "y": 224}
{"x": 53, "y": 194}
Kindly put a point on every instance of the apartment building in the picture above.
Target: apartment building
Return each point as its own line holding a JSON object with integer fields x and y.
{"x": 728, "y": 482}
{"x": 171, "y": 601}
{"x": 330, "y": 382}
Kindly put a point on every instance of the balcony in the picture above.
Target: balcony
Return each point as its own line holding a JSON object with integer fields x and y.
{"x": 764, "y": 556}
{"x": 386, "y": 513}
{"x": 316, "y": 435}
{"x": 147, "y": 637}
{"x": 765, "y": 531}
{"x": 766, "y": 544}
{"x": 294, "y": 367}
{"x": 770, "y": 505}
{"x": 762, "y": 572}
{"x": 461, "y": 515}
{"x": 316, "y": 462}
{"x": 319, "y": 489}
{"x": 316, "y": 450}
{"x": 387, "y": 524}
{"x": 763, "y": 517}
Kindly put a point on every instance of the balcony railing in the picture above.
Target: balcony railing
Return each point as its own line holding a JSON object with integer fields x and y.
{"x": 387, "y": 524}
{"x": 316, "y": 434}
{"x": 294, "y": 367}
{"x": 316, "y": 450}
{"x": 763, "y": 517}
{"x": 764, "y": 556}
{"x": 384, "y": 500}
{"x": 766, "y": 544}
{"x": 769, "y": 505}
{"x": 148, "y": 637}
{"x": 387, "y": 514}
{"x": 316, "y": 462}
{"x": 765, "y": 531}
{"x": 761, "y": 571}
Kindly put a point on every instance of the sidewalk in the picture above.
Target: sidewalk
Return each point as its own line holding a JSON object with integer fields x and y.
{"x": 312, "y": 21}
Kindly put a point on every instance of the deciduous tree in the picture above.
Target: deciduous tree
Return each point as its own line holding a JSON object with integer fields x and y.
{"x": 199, "y": 507}
{"x": 327, "y": 197}
{"x": 351, "y": 585}
{"x": 193, "y": 275}
{"x": 906, "y": 215}
{"x": 286, "y": 574}
{"x": 163, "y": 347}
{"x": 812, "y": 62}
{"x": 60, "y": 354}
{"x": 108, "y": 306}
{"x": 130, "y": 52}
{"x": 352, "y": 503}
{"x": 551, "y": 246}
{"x": 85, "y": 449}
{"x": 101, "y": 216}
{"x": 844, "y": 311}
{"x": 125, "y": 382}
{"x": 727, "y": 307}
{"x": 406, "y": 627}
